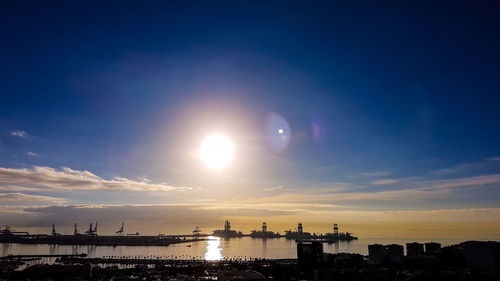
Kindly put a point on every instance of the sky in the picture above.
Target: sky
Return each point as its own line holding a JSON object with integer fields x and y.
{"x": 389, "y": 114}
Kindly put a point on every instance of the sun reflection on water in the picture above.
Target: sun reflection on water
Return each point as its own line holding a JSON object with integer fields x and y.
{"x": 213, "y": 251}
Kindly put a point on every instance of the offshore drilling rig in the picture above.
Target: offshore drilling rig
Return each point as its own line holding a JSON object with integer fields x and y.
{"x": 227, "y": 232}
{"x": 264, "y": 233}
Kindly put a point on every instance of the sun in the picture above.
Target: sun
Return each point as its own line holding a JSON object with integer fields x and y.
{"x": 216, "y": 151}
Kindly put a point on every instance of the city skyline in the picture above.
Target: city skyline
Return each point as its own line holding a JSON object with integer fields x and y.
{"x": 333, "y": 114}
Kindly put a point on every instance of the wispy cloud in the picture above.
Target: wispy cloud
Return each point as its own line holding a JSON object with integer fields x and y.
{"x": 464, "y": 182}
{"x": 486, "y": 165}
{"x": 385, "y": 181}
{"x": 69, "y": 179}
{"x": 21, "y": 197}
{"x": 412, "y": 191}
{"x": 446, "y": 171}
{"x": 274, "y": 188}
{"x": 32, "y": 154}
{"x": 18, "y": 133}
{"x": 376, "y": 174}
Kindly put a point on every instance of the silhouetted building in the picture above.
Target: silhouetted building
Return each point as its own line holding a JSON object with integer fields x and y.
{"x": 414, "y": 249}
{"x": 309, "y": 254}
{"x": 344, "y": 260}
{"x": 385, "y": 253}
{"x": 377, "y": 252}
{"x": 452, "y": 256}
{"x": 395, "y": 250}
{"x": 432, "y": 248}
{"x": 481, "y": 254}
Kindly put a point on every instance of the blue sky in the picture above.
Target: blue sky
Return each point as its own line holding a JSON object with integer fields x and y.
{"x": 379, "y": 98}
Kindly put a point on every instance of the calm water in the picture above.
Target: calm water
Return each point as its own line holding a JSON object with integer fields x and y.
{"x": 216, "y": 249}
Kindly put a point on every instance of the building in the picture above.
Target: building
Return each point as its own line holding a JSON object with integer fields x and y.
{"x": 377, "y": 252}
{"x": 414, "y": 249}
{"x": 481, "y": 254}
{"x": 309, "y": 254}
{"x": 432, "y": 248}
{"x": 385, "y": 253}
{"x": 395, "y": 250}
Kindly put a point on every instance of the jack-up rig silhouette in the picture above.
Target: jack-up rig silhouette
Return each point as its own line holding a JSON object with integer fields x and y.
{"x": 264, "y": 233}
{"x": 227, "y": 232}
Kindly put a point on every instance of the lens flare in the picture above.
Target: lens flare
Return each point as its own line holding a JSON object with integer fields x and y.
{"x": 278, "y": 132}
{"x": 318, "y": 131}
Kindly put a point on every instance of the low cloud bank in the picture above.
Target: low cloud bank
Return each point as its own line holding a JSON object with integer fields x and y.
{"x": 69, "y": 179}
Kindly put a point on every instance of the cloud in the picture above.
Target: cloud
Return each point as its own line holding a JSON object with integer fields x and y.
{"x": 376, "y": 174}
{"x": 155, "y": 218}
{"x": 274, "y": 188}
{"x": 333, "y": 198}
{"x": 464, "y": 182}
{"x": 415, "y": 191}
{"x": 21, "y": 197}
{"x": 18, "y": 133}
{"x": 69, "y": 179}
{"x": 32, "y": 154}
{"x": 385, "y": 181}
{"x": 442, "y": 172}
{"x": 487, "y": 165}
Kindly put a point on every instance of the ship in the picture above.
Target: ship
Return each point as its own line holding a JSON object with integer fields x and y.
{"x": 227, "y": 232}
{"x": 264, "y": 233}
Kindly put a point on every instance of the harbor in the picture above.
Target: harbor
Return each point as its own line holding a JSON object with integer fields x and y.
{"x": 91, "y": 237}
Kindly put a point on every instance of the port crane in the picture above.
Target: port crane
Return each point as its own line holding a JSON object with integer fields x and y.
{"x": 120, "y": 231}
{"x": 54, "y": 232}
{"x": 92, "y": 232}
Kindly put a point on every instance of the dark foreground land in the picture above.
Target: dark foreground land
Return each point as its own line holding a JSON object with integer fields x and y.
{"x": 466, "y": 261}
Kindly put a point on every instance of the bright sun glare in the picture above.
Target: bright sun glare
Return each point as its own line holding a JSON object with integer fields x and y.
{"x": 216, "y": 151}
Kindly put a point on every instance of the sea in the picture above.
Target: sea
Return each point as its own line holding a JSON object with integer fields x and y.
{"x": 215, "y": 248}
